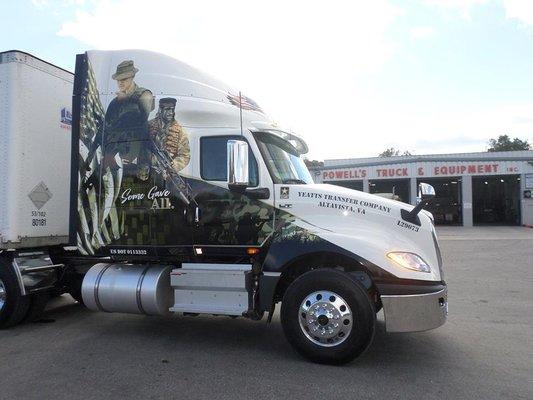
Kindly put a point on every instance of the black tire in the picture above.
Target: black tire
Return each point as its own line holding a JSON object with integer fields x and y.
{"x": 360, "y": 331}
{"x": 15, "y": 306}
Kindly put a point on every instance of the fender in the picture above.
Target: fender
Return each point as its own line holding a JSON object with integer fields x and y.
{"x": 282, "y": 254}
{"x": 34, "y": 270}
{"x": 285, "y": 252}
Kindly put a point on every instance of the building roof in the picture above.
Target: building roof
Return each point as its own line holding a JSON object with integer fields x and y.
{"x": 523, "y": 155}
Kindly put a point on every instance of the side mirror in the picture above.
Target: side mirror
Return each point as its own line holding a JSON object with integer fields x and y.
{"x": 425, "y": 191}
{"x": 238, "y": 163}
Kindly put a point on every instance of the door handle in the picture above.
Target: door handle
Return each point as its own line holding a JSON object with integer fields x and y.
{"x": 197, "y": 215}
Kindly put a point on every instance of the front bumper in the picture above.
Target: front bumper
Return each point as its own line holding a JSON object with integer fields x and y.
{"x": 415, "y": 312}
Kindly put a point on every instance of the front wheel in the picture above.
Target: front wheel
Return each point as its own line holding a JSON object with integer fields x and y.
{"x": 327, "y": 316}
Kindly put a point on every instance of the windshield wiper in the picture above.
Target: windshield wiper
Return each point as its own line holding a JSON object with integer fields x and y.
{"x": 293, "y": 180}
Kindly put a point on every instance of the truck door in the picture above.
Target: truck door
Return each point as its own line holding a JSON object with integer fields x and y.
{"x": 227, "y": 217}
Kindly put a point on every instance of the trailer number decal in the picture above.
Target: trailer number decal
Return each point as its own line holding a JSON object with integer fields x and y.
{"x": 40, "y": 220}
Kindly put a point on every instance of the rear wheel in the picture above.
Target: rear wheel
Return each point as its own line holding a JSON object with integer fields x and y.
{"x": 3, "y": 294}
{"x": 327, "y": 316}
{"x": 13, "y": 306}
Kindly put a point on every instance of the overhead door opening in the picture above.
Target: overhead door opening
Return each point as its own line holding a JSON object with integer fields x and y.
{"x": 396, "y": 188}
{"x": 447, "y": 207}
{"x": 496, "y": 200}
{"x": 357, "y": 185}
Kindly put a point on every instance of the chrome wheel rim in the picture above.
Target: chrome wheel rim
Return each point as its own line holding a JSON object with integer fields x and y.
{"x": 3, "y": 295}
{"x": 325, "y": 318}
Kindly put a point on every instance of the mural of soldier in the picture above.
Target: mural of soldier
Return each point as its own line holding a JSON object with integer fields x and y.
{"x": 126, "y": 118}
{"x": 126, "y": 153}
{"x": 169, "y": 135}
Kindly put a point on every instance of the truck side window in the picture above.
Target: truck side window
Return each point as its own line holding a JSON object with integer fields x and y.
{"x": 214, "y": 159}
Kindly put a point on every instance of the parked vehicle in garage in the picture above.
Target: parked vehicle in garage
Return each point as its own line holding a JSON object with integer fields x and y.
{"x": 186, "y": 198}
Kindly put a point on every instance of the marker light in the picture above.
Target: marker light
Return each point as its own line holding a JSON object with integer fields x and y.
{"x": 251, "y": 251}
{"x": 409, "y": 261}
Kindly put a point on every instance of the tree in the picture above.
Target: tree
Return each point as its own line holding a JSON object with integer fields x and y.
{"x": 392, "y": 152}
{"x": 504, "y": 143}
{"x": 313, "y": 163}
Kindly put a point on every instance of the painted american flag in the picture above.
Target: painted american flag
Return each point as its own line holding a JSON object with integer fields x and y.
{"x": 246, "y": 102}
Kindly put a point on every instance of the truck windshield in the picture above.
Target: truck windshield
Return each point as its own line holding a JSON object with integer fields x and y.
{"x": 282, "y": 159}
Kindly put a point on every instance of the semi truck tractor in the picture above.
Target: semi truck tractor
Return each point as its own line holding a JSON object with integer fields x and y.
{"x": 166, "y": 191}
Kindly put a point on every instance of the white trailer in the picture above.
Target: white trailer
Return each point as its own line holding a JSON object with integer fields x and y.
{"x": 35, "y": 140}
{"x": 35, "y": 143}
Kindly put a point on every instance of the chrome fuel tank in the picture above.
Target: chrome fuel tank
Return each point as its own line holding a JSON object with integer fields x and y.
{"x": 128, "y": 288}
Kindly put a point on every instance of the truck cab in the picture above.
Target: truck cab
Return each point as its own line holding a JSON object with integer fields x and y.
{"x": 187, "y": 198}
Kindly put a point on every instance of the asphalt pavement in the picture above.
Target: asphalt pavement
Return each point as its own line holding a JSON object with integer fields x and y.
{"x": 484, "y": 351}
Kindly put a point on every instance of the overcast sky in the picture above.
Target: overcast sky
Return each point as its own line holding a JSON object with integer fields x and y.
{"x": 352, "y": 77}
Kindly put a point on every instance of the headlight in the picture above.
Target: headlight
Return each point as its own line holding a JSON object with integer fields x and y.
{"x": 410, "y": 261}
